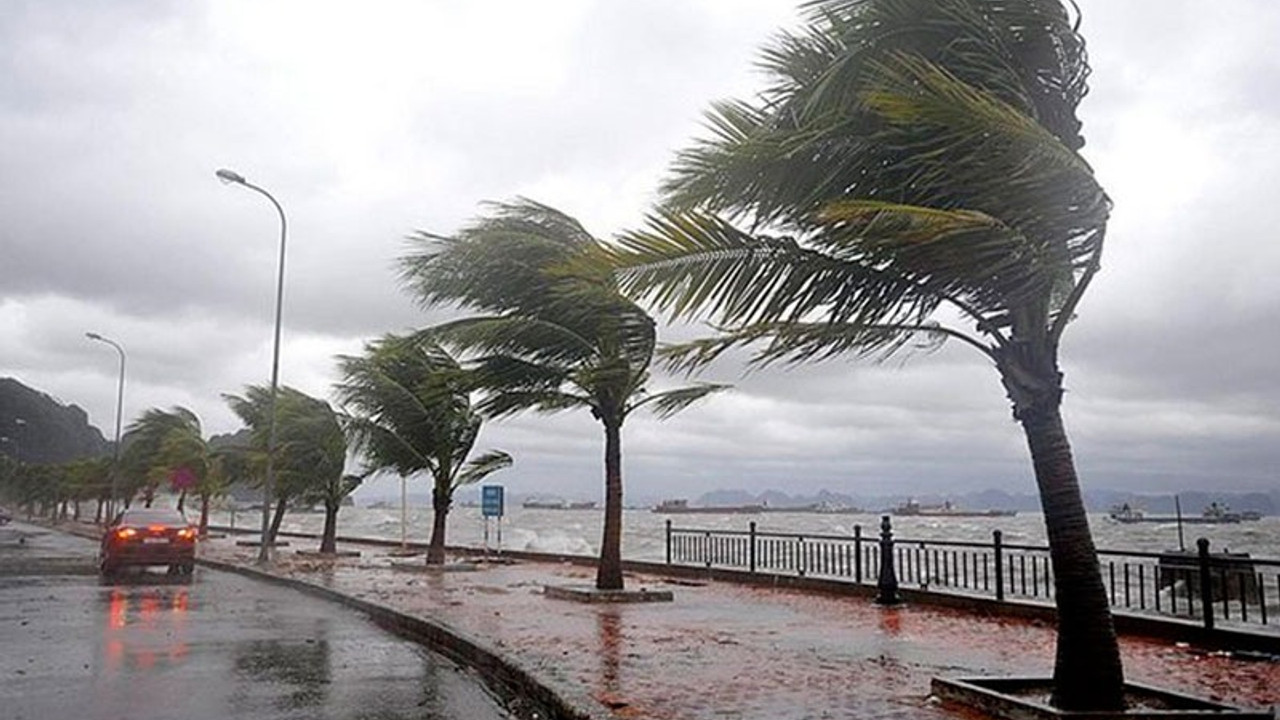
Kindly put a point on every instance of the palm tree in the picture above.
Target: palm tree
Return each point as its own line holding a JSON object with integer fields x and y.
{"x": 160, "y": 442}
{"x": 409, "y": 411}
{"x": 313, "y": 455}
{"x": 171, "y": 444}
{"x": 310, "y": 447}
{"x": 911, "y": 176}
{"x": 549, "y": 339}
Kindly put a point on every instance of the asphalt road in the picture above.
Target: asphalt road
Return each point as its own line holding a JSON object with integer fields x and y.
{"x": 213, "y": 646}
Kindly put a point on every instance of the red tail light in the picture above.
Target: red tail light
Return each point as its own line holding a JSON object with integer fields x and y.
{"x": 156, "y": 529}
{"x": 187, "y": 533}
{"x": 125, "y": 533}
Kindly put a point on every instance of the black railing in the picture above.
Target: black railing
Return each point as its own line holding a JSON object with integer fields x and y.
{"x": 1199, "y": 585}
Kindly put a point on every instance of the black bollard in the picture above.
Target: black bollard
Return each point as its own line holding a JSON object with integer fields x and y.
{"x": 887, "y": 582}
{"x": 1206, "y": 583}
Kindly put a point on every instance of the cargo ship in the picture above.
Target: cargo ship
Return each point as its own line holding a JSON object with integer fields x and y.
{"x": 911, "y": 508}
{"x": 681, "y": 507}
{"x": 1213, "y": 514}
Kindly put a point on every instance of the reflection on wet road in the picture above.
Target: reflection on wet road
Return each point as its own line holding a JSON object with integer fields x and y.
{"x": 213, "y": 646}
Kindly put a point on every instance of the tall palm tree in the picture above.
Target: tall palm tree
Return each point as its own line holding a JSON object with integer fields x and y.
{"x": 409, "y": 411}
{"x": 912, "y": 175}
{"x": 310, "y": 446}
{"x": 549, "y": 338}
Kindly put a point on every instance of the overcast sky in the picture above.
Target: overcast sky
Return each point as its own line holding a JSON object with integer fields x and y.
{"x": 371, "y": 120}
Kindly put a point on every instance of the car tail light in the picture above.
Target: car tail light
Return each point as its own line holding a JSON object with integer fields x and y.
{"x": 125, "y": 533}
{"x": 156, "y": 529}
{"x": 187, "y": 533}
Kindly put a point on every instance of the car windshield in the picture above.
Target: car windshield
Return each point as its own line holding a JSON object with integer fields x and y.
{"x": 152, "y": 516}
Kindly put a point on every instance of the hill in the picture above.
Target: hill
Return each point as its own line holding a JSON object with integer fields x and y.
{"x": 36, "y": 428}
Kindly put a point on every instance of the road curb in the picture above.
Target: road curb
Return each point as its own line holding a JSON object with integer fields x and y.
{"x": 523, "y": 694}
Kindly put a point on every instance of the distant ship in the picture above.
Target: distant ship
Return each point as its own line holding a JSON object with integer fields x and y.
{"x": 681, "y": 507}
{"x": 1213, "y": 514}
{"x": 911, "y": 508}
{"x": 534, "y": 504}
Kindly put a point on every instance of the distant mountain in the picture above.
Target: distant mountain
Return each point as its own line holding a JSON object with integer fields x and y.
{"x": 36, "y": 428}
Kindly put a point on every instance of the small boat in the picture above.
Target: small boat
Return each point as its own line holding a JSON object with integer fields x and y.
{"x": 911, "y": 508}
{"x": 680, "y": 507}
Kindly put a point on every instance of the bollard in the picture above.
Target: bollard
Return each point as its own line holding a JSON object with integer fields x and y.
{"x": 997, "y": 543}
{"x": 887, "y": 582}
{"x": 857, "y": 554}
{"x": 1206, "y": 583}
{"x": 668, "y": 541}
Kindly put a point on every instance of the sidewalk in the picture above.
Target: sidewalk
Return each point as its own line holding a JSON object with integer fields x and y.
{"x": 727, "y": 651}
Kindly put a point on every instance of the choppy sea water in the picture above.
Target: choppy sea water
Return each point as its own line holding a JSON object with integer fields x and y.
{"x": 578, "y": 531}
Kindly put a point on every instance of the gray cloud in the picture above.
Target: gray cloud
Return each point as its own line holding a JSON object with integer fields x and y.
{"x": 370, "y": 125}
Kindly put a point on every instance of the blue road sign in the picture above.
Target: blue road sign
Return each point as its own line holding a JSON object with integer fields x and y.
{"x": 491, "y": 501}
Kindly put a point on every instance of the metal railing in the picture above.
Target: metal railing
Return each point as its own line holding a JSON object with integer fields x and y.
{"x": 1199, "y": 585}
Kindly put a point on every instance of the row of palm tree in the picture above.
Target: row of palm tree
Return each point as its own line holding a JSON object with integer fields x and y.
{"x": 911, "y": 176}
{"x": 407, "y": 411}
{"x": 56, "y": 490}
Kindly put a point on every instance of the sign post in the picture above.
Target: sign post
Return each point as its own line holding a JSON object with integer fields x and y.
{"x": 491, "y": 503}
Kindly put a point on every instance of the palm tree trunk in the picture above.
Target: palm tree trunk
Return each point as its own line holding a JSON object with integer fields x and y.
{"x": 274, "y": 530}
{"x": 1087, "y": 673}
{"x": 329, "y": 538}
{"x": 182, "y": 500}
{"x": 440, "y": 501}
{"x": 609, "y": 573}
{"x": 204, "y": 514}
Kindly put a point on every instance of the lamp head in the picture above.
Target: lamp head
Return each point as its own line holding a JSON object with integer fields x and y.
{"x": 93, "y": 336}
{"x": 230, "y": 176}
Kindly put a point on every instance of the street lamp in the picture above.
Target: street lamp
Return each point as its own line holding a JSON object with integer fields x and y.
{"x": 268, "y": 489}
{"x": 115, "y": 461}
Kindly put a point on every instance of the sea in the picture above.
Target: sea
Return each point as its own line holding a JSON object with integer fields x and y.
{"x": 577, "y": 531}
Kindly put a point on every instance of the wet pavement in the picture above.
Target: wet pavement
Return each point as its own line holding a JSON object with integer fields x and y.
{"x": 727, "y": 651}
{"x": 216, "y": 645}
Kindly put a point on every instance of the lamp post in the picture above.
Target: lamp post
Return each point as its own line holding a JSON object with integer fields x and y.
{"x": 268, "y": 489}
{"x": 115, "y": 460}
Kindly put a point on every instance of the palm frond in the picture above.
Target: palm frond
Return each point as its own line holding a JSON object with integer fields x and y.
{"x": 668, "y": 403}
{"x": 512, "y": 402}
{"x": 691, "y": 264}
{"x": 483, "y": 466}
{"x": 795, "y": 343}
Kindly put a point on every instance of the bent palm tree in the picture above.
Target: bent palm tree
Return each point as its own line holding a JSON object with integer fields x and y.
{"x": 549, "y": 340}
{"x": 161, "y": 442}
{"x": 410, "y": 411}
{"x": 911, "y": 176}
{"x": 310, "y": 446}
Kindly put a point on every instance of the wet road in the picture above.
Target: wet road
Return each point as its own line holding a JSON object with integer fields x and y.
{"x": 214, "y": 646}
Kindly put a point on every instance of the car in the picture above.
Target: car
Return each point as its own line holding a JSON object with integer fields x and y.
{"x": 141, "y": 537}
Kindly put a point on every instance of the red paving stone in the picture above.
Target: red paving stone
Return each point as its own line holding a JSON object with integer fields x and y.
{"x": 728, "y": 651}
